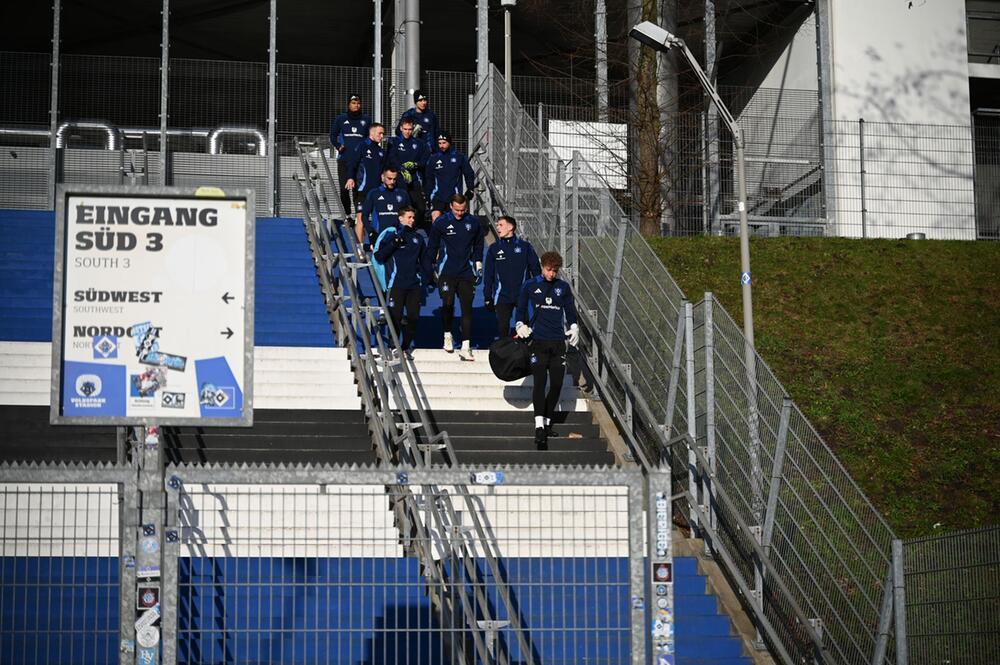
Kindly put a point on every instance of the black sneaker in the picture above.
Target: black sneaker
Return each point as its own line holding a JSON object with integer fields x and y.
{"x": 551, "y": 432}
{"x": 541, "y": 439}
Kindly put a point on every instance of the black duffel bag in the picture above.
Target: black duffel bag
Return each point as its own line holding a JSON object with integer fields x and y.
{"x": 510, "y": 358}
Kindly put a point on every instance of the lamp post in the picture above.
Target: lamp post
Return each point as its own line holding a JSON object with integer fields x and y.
{"x": 656, "y": 37}
{"x": 507, "y": 5}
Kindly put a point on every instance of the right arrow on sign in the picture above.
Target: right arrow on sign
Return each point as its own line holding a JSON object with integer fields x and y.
{"x": 228, "y": 332}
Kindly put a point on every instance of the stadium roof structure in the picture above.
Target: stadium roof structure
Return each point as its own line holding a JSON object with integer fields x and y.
{"x": 551, "y": 37}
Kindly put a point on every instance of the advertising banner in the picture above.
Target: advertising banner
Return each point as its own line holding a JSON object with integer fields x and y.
{"x": 153, "y": 316}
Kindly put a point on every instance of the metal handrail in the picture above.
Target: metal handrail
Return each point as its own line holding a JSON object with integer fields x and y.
{"x": 406, "y": 443}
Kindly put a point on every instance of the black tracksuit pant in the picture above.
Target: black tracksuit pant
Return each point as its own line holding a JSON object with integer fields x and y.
{"x": 410, "y": 298}
{"x": 548, "y": 361}
{"x": 465, "y": 287}
{"x": 504, "y": 311}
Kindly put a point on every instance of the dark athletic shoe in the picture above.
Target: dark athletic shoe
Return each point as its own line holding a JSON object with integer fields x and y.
{"x": 541, "y": 440}
{"x": 551, "y": 432}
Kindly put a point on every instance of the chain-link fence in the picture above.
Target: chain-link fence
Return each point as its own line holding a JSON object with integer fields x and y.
{"x": 953, "y": 597}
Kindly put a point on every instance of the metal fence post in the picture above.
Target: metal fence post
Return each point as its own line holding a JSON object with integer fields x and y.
{"x": 169, "y": 591}
{"x": 660, "y": 590}
{"x": 710, "y": 412}
{"x": 127, "y": 520}
{"x": 271, "y": 161}
{"x": 899, "y": 600}
{"x": 54, "y": 102}
{"x": 164, "y": 89}
{"x": 771, "y": 508}
{"x": 691, "y": 416}
{"x": 541, "y": 176}
{"x": 861, "y": 150}
{"x": 575, "y": 212}
{"x": 884, "y": 620}
{"x": 561, "y": 206}
{"x": 150, "y": 531}
{"x": 616, "y": 280}
{"x": 675, "y": 373}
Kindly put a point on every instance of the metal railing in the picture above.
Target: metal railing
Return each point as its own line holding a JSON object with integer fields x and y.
{"x": 800, "y": 540}
{"x": 387, "y": 405}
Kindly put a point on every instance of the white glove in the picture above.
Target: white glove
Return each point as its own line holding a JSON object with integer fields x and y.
{"x": 522, "y": 330}
{"x": 573, "y": 335}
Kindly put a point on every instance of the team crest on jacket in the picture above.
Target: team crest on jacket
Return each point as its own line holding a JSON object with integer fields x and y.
{"x": 453, "y": 160}
{"x": 548, "y": 301}
{"x": 468, "y": 227}
{"x": 389, "y": 206}
{"x": 558, "y": 291}
{"x": 517, "y": 250}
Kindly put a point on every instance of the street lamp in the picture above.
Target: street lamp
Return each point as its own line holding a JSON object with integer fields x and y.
{"x": 507, "y": 5}
{"x": 655, "y": 37}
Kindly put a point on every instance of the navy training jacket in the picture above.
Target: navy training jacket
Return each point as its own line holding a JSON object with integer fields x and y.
{"x": 509, "y": 263}
{"x": 554, "y": 303}
{"x": 455, "y": 245}
{"x": 444, "y": 173}
{"x": 401, "y": 151}
{"x": 381, "y": 207}
{"x": 428, "y": 122}
{"x": 347, "y": 131}
{"x": 365, "y": 165}
{"x": 406, "y": 267}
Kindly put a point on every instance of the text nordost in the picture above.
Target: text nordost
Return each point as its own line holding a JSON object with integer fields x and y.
{"x": 146, "y": 216}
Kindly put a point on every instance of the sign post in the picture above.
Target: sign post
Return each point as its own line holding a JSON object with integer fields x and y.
{"x": 152, "y": 326}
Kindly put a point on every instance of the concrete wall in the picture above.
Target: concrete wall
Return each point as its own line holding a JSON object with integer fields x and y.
{"x": 903, "y": 63}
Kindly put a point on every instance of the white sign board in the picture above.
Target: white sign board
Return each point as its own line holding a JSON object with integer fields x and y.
{"x": 153, "y": 316}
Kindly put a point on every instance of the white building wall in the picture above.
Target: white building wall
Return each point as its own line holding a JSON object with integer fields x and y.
{"x": 902, "y": 66}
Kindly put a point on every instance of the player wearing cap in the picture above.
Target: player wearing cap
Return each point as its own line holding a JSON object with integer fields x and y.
{"x": 443, "y": 176}
{"x": 346, "y": 132}
{"x": 425, "y": 120}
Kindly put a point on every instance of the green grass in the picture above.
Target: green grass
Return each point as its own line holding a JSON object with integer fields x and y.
{"x": 890, "y": 348}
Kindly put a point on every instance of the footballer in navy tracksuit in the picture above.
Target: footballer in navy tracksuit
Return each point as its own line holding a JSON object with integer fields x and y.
{"x": 346, "y": 132}
{"x": 405, "y": 261}
{"x": 443, "y": 176}
{"x": 426, "y": 125}
{"x": 408, "y": 155}
{"x": 455, "y": 244}
{"x": 382, "y": 205}
{"x": 510, "y": 261}
{"x": 364, "y": 170}
{"x": 545, "y": 308}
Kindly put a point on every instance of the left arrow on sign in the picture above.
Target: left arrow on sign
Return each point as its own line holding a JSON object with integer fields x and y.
{"x": 228, "y": 332}
{"x": 226, "y": 297}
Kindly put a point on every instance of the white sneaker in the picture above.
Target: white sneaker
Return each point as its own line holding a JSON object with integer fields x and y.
{"x": 465, "y": 353}
{"x": 449, "y": 344}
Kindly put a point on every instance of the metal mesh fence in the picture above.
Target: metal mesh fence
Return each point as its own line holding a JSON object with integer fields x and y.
{"x": 59, "y": 573}
{"x": 319, "y": 572}
{"x": 953, "y": 597}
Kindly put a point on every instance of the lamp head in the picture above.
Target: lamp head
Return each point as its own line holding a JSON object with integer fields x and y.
{"x": 653, "y": 36}
{"x": 507, "y": 3}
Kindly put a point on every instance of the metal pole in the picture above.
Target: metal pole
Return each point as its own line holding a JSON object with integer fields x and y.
{"x": 710, "y": 407}
{"x": 541, "y": 178}
{"x": 899, "y": 601}
{"x": 575, "y": 247}
{"x": 54, "y": 101}
{"x": 668, "y": 109}
{"x": 508, "y": 70}
{"x": 377, "y": 62}
{"x": 692, "y": 429}
{"x": 272, "y": 79}
{"x": 482, "y": 41}
{"x": 561, "y": 206}
{"x": 861, "y": 151}
{"x": 601, "y": 58}
{"x": 741, "y": 204}
{"x": 616, "y": 280}
{"x": 884, "y": 619}
{"x": 411, "y": 29}
{"x": 164, "y": 88}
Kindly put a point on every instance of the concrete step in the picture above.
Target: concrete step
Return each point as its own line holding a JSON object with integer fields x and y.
{"x": 475, "y": 392}
{"x": 316, "y": 402}
{"x": 304, "y": 389}
{"x": 485, "y": 418}
{"x": 524, "y": 442}
{"x": 444, "y": 378}
{"x": 532, "y": 457}
{"x": 523, "y": 406}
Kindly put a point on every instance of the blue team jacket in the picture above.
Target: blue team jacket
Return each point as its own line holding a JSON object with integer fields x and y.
{"x": 348, "y": 131}
{"x": 509, "y": 262}
{"x": 455, "y": 245}
{"x": 381, "y": 207}
{"x": 428, "y": 122}
{"x": 405, "y": 267}
{"x": 402, "y": 150}
{"x": 444, "y": 173}
{"x": 554, "y": 303}
{"x": 365, "y": 165}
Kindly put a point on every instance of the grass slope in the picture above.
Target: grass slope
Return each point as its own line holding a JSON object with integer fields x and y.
{"x": 891, "y": 349}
